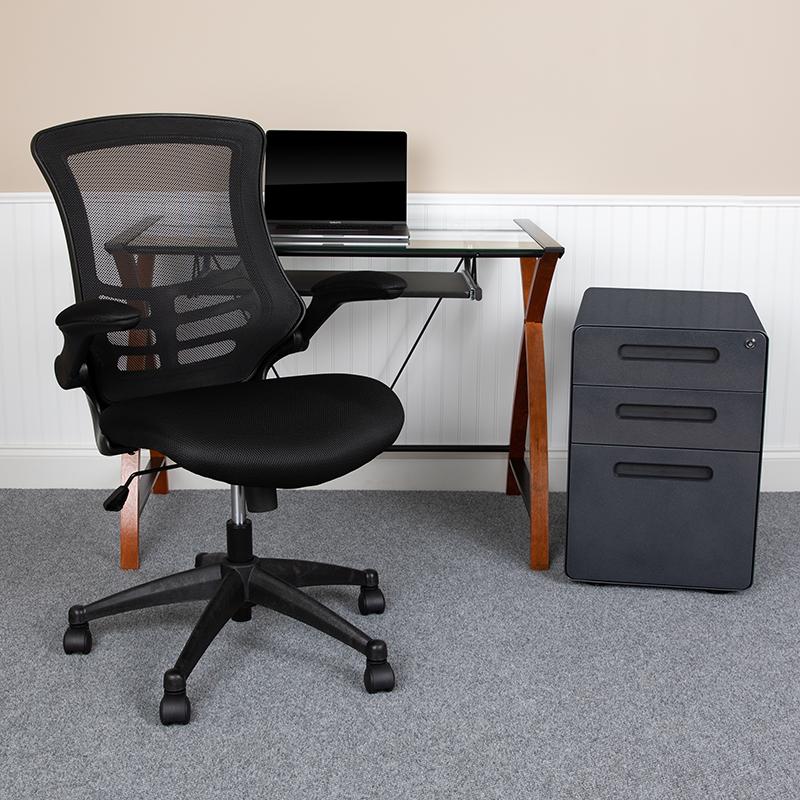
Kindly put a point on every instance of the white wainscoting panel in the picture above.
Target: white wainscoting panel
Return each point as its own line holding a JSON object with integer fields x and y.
{"x": 457, "y": 389}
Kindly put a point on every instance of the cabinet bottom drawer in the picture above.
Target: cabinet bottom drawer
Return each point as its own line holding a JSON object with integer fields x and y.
{"x": 662, "y": 517}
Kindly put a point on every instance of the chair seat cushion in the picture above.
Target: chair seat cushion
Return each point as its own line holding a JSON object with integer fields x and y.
{"x": 283, "y": 432}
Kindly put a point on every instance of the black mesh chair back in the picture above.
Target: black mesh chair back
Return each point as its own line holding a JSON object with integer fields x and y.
{"x": 165, "y": 213}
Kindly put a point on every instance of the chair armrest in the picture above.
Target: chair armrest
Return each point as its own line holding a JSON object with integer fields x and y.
{"x": 362, "y": 285}
{"x": 80, "y": 323}
{"x": 346, "y": 287}
{"x": 327, "y": 295}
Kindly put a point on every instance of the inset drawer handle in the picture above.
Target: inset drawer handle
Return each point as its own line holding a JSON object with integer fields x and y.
{"x": 656, "y": 352}
{"x": 666, "y": 413}
{"x": 624, "y": 469}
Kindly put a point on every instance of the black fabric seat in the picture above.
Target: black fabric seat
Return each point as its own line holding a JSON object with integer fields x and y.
{"x": 283, "y": 433}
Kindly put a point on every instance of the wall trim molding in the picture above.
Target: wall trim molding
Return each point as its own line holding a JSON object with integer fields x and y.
{"x": 38, "y": 467}
{"x": 476, "y": 199}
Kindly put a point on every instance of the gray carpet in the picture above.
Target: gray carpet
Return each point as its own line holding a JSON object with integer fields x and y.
{"x": 511, "y": 684}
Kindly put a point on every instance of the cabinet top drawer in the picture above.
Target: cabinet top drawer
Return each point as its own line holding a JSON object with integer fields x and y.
{"x": 669, "y": 358}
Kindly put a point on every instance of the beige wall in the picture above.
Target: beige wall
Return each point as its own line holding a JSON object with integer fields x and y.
{"x": 553, "y": 96}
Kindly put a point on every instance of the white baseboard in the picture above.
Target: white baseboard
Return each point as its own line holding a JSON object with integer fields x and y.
{"x": 84, "y": 468}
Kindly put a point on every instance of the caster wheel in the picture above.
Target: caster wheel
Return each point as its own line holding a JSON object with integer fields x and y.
{"x": 379, "y": 677}
{"x": 198, "y": 560}
{"x": 371, "y": 601}
{"x": 78, "y": 640}
{"x": 175, "y": 709}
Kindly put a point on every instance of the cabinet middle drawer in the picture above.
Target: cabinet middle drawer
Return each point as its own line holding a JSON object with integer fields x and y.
{"x": 667, "y": 418}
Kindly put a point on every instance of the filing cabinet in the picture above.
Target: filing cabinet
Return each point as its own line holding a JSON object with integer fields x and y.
{"x": 666, "y": 428}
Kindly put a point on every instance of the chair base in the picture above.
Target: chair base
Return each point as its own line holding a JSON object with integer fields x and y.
{"x": 233, "y": 583}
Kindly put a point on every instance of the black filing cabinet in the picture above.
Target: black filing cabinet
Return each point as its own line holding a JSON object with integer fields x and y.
{"x": 666, "y": 426}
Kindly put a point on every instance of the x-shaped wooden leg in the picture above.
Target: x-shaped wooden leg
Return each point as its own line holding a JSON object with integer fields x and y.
{"x": 530, "y": 409}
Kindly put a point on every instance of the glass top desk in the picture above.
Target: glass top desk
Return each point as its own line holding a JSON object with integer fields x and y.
{"x": 135, "y": 250}
{"x": 152, "y": 236}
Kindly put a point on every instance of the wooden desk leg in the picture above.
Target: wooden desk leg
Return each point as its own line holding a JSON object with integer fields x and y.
{"x": 129, "y": 516}
{"x": 135, "y": 272}
{"x": 537, "y": 419}
{"x": 530, "y": 410}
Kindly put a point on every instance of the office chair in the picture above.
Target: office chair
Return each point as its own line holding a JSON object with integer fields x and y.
{"x": 171, "y": 343}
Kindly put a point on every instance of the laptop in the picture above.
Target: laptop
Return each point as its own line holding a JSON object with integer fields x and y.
{"x": 336, "y": 186}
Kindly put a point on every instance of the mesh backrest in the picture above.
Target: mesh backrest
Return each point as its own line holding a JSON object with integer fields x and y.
{"x": 165, "y": 213}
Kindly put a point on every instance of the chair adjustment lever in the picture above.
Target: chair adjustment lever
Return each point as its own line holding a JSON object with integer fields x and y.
{"x": 116, "y": 500}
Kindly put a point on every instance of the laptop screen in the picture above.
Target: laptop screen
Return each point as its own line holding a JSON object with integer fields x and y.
{"x": 336, "y": 176}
